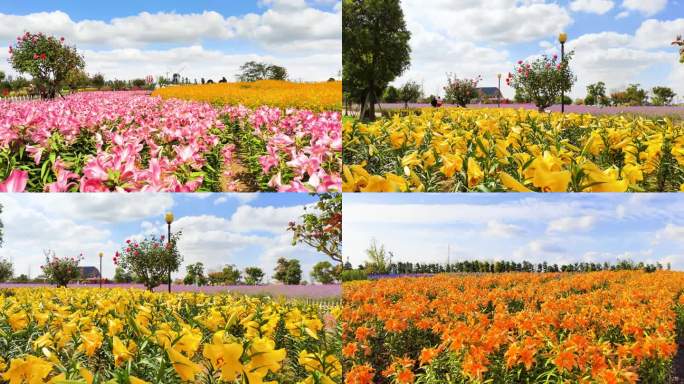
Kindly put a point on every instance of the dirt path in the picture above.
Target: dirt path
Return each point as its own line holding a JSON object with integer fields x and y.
{"x": 678, "y": 364}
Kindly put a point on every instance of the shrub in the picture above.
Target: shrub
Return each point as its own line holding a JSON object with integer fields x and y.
{"x": 353, "y": 275}
{"x": 460, "y": 91}
{"x": 60, "y": 270}
{"x": 542, "y": 81}
{"x": 151, "y": 259}
{"x": 6, "y": 270}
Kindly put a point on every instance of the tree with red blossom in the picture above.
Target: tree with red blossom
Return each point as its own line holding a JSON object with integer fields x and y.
{"x": 60, "y": 270}
{"x": 543, "y": 80}
{"x": 150, "y": 259}
{"x": 460, "y": 91}
{"x": 47, "y": 59}
{"x": 321, "y": 226}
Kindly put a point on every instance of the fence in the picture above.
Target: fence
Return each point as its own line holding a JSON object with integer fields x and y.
{"x": 19, "y": 98}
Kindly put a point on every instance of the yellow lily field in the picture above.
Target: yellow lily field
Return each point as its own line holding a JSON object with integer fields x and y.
{"x": 313, "y": 96}
{"x": 128, "y": 335}
{"x": 495, "y": 150}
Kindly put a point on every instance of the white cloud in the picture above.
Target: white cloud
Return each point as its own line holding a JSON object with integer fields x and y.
{"x": 671, "y": 232}
{"x": 654, "y": 33}
{"x": 306, "y": 40}
{"x": 240, "y": 197}
{"x": 621, "y": 15}
{"x": 498, "y": 229}
{"x": 647, "y": 7}
{"x": 592, "y": 6}
{"x": 569, "y": 224}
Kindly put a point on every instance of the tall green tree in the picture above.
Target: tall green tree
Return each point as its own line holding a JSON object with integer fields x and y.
{"x": 47, "y": 59}
{"x": 411, "y": 91}
{"x": 680, "y": 42}
{"x": 253, "y": 275}
{"x": 662, "y": 95}
{"x": 6, "y": 270}
{"x": 288, "y": 272}
{"x": 195, "y": 274}
{"x": 254, "y": 71}
{"x": 596, "y": 94}
{"x": 375, "y": 49}
{"x": 323, "y": 272}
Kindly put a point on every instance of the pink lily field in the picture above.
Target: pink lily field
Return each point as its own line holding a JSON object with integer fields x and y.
{"x": 130, "y": 141}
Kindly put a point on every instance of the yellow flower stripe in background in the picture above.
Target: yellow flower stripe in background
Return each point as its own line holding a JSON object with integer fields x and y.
{"x": 322, "y": 96}
{"x": 454, "y": 149}
{"x": 120, "y": 336}
{"x": 598, "y": 327}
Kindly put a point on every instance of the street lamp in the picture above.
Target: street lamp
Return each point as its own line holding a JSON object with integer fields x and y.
{"x": 169, "y": 220}
{"x": 498, "y": 96}
{"x": 562, "y": 38}
{"x": 101, "y": 254}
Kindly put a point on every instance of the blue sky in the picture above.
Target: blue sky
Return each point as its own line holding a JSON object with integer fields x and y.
{"x": 208, "y": 38}
{"x": 242, "y": 229}
{"x": 557, "y": 228}
{"x": 615, "y": 41}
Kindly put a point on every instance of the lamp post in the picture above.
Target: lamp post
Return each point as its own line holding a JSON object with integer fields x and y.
{"x": 101, "y": 254}
{"x": 169, "y": 220}
{"x": 562, "y": 38}
{"x": 498, "y": 95}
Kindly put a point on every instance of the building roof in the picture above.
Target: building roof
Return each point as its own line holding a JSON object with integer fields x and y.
{"x": 88, "y": 272}
{"x": 489, "y": 91}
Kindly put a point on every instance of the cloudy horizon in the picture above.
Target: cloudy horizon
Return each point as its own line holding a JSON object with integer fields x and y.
{"x": 244, "y": 229}
{"x": 203, "y": 39}
{"x": 616, "y": 41}
{"x": 556, "y": 228}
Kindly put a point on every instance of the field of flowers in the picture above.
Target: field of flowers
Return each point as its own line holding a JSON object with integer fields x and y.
{"x": 317, "y": 97}
{"x": 453, "y": 149}
{"x": 135, "y": 336}
{"x": 600, "y": 327}
{"x": 130, "y": 141}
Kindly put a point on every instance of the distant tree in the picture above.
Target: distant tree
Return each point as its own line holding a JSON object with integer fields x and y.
{"x": 138, "y": 83}
{"x": 210, "y": 81}
{"x": 391, "y": 95}
{"x": 375, "y": 49}
{"x": 331, "y": 80}
{"x": 175, "y": 78}
{"x": 460, "y": 91}
{"x": 118, "y": 85}
{"x": 411, "y": 91}
{"x": 321, "y": 227}
{"x": 633, "y": 96}
{"x": 662, "y": 95}
{"x": 76, "y": 78}
{"x": 254, "y": 71}
{"x": 288, "y": 272}
{"x": 543, "y": 80}
{"x": 2, "y": 75}
{"x": 121, "y": 276}
{"x": 195, "y": 274}
{"x": 97, "y": 80}
{"x": 323, "y": 272}
{"x": 22, "y": 278}
{"x": 19, "y": 83}
{"x": 202, "y": 79}
{"x": 6, "y": 270}
{"x": 47, "y": 59}
{"x": 520, "y": 97}
{"x": 229, "y": 275}
{"x": 596, "y": 94}
{"x": 253, "y": 275}
{"x": 378, "y": 258}
{"x": 223, "y": 80}
{"x": 151, "y": 259}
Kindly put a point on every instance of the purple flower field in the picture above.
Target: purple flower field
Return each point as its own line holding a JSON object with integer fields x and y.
{"x": 642, "y": 110}
{"x": 291, "y": 291}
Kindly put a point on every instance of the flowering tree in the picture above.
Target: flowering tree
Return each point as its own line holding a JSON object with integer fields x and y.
{"x": 322, "y": 228}
{"x": 151, "y": 259}
{"x": 460, "y": 91}
{"x": 542, "y": 80}
{"x": 60, "y": 270}
{"x": 47, "y": 59}
{"x": 680, "y": 43}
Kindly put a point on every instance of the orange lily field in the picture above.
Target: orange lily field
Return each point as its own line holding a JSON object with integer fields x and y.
{"x": 599, "y": 327}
